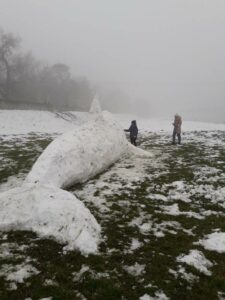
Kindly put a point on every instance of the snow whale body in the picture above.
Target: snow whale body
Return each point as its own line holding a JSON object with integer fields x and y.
{"x": 41, "y": 204}
{"x": 80, "y": 154}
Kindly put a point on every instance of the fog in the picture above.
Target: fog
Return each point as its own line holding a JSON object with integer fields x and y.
{"x": 160, "y": 56}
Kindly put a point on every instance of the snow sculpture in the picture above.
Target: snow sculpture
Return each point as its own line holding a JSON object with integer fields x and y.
{"x": 95, "y": 106}
{"x": 41, "y": 204}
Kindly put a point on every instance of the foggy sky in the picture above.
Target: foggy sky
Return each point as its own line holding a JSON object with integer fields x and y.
{"x": 167, "y": 55}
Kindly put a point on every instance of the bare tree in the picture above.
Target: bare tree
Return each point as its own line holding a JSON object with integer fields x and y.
{"x": 8, "y": 44}
{"x": 61, "y": 72}
{"x": 26, "y": 82}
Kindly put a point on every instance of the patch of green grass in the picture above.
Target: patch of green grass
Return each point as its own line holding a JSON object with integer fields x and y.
{"x": 20, "y": 154}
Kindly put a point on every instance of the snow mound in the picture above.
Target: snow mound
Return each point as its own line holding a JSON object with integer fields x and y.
{"x": 50, "y": 212}
{"x": 214, "y": 241}
{"x": 197, "y": 259}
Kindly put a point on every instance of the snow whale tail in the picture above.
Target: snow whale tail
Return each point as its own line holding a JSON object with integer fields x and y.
{"x": 50, "y": 212}
{"x": 95, "y": 106}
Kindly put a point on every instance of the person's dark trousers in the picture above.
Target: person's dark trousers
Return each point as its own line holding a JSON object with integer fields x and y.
{"x": 174, "y": 136}
{"x": 133, "y": 140}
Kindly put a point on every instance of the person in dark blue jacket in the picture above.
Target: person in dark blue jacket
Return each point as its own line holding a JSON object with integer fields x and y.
{"x": 133, "y": 132}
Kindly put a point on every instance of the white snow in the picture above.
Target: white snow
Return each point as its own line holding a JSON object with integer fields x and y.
{"x": 146, "y": 225}
{"x": 12, "y": 182}
{"x": 135, "y": 244}
{"x": 50, "y": 212}
{"x": 158, "y": 197}
{"x": 78, "y": 275}
{"x": 95, "y": 106}
{"x": 12, "y": 287}
{"x": 179, "y": 185}
{"x": 8, "y": 250}
{"x": 135, "y": 270}
{"x": 25, "y": 121}
{"x": 158, "y": 296}
{"x": 163, "y": 124}
{"x": 145, "y": 297}
{"x": 80, "y": 154}
{"x": 196, "y": 259}
{"x": 173, "y": 210}
{"x": 18, "y": 273}
{"x": 214, "y": 241}
{"x": 221, "y": 295}
{"x": 96, "y": 275}
{"x": 50, "y": 282}
{"x": 183, "y": 274}
{"x": 124, "y": 180}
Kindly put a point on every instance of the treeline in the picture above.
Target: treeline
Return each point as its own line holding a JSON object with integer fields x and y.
{"x": 24, "y": 80}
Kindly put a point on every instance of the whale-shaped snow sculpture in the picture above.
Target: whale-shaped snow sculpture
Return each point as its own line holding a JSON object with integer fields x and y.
{"x": 41, "y": 204}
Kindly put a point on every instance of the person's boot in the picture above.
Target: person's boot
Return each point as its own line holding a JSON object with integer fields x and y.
{"x": 174, "y": 137}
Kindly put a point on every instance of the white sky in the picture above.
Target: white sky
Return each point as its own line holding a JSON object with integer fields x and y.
{"x": 168, "y": 55}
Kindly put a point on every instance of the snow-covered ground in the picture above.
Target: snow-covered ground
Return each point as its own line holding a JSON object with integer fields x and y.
{"x": 162, "y": 217}
{"x": 25, "y": 121}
